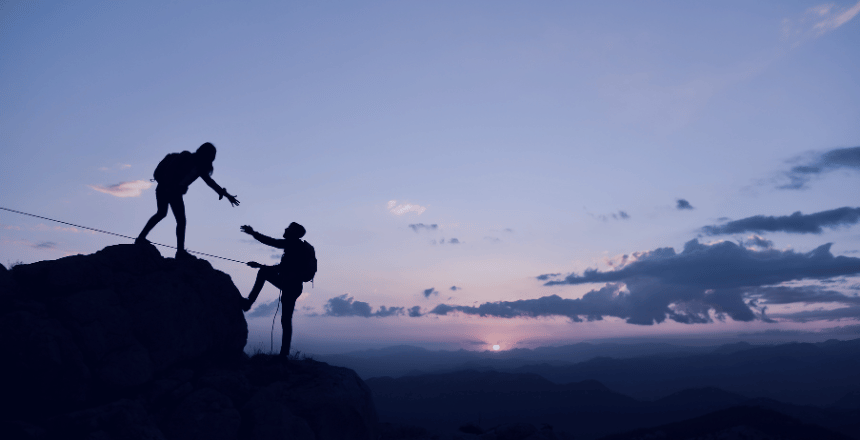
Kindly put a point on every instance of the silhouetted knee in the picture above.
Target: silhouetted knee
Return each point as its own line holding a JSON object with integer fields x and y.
{"x": 180, "y": 222}
{"x": 160, "y": 214}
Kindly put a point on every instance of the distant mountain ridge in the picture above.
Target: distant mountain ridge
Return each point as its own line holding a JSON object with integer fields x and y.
{"x": 819, "y": 374}
{"x": 400, "y": 360}
{"x": 586, "y": 410}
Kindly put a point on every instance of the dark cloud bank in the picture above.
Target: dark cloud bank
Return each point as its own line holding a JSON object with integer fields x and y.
{"x": 800, "y": 175}
{"x": 702, "y": 282}
{"x": 345, "y": 305}
{"x": 797, "y": 223}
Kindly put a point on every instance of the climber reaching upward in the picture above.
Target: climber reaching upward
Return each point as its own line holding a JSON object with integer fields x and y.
{"x": 298, "y": 265}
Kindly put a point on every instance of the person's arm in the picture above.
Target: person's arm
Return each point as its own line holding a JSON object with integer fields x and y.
{"x": 269, "y": 241}
{"x": 222, "y": 192}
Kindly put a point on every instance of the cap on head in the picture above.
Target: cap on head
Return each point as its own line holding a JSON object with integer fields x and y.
{"x": 207, "y": 151}
{"x": 295, "y": 230}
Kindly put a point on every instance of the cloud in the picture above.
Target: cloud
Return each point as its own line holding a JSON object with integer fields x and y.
{"x": 852, "y": 312}
{"x": 345, "y": 305}
{"x": 430, "y": 291}
{"x": 797, "y": 223}
{"x": 124, "y": 189}
{"x": 493, "y": 239}
{"x": 547, "y": 276}
{"x": 683, "y": 204}
{"x": 702, "y": 283}
{"x": 820, "y": 163}
{"x": 455, "y": 288}
{"x": 415, "y": 312}
{"x": 450, "y": 241}
{"x": 818, "y": 20}
{"x": 402, "y": 208}
{"x": 620, "y": 215}
{"x": 264, "y": 310}
{"x": 756, "y": 241}
{"x": 45, "y": 245}
{"x": 418, "y": 226}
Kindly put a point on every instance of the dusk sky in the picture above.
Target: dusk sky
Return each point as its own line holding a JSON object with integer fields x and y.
{"x": 470, "y": 173}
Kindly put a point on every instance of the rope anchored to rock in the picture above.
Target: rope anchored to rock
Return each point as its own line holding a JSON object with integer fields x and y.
{"x": 118, "y": 235}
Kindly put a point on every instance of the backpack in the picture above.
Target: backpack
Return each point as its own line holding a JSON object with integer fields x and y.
{"x": 304, "y": 267}
{"x": 172, "y": 167}
{"x": 308, "y": 268}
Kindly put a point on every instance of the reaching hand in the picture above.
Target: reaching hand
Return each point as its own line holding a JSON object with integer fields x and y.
{"x": 247, "y": 229}
{"x": 232, "y": 200}
{"x": 254, "y": 264}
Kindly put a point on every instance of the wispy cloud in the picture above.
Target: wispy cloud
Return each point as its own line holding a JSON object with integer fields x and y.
{"x": 430, "y": 291}
{"x": 450, "y": 241}
{"x": 45, "y": 245}
{"x": 817, "y": 21}
{"x": 345, "y": 305}
{"x": 620, "y": 215}
{"x": 119, "y": 166}
{"x": 403, "y": 208}
{"x": 419, "y": 226}
{"x": 124, "y": 189}
{"x": 702, "y": 283}
{"x": 796, "y": 223}
{"x": 815, "y": 164}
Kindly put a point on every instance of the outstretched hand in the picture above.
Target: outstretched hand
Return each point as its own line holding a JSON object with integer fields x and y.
{"x": 254, "y": 264}
{"x": 231, "y": 198}
{"x": 247, "y": 229}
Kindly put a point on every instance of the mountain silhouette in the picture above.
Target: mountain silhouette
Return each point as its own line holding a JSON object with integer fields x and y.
{"x": 818, "y": 374}
{"x": 125, "y": 344}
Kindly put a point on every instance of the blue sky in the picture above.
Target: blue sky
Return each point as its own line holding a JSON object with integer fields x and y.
{"x": 445, "y": 155}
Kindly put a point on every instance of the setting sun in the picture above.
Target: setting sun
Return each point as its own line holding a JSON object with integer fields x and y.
{"x": 496, "y": 347}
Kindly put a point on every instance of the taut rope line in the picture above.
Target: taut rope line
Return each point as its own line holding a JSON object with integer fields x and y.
{"x": 118, "y": 235}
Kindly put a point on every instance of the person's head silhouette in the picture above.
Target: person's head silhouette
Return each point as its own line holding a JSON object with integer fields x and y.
{"x": 205, "y": 156}
{"x": 295, "y": 230}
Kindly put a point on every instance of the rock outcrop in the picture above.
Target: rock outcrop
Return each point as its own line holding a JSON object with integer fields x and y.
{"x": 125, "y": 344}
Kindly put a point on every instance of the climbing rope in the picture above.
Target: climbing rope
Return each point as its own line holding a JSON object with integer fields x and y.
{"x": 272, "y": 333}
{"x": 118, "y": 235}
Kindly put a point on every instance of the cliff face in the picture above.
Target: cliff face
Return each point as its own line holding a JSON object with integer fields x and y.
{"x": 126, "y": 344}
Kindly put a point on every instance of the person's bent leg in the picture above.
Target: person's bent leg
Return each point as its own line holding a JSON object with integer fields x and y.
{"x": 265, "y": 273}
{"x": 162, "y": 203}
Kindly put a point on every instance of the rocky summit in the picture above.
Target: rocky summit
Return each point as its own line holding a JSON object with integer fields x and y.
{"x": 126, "y": 344}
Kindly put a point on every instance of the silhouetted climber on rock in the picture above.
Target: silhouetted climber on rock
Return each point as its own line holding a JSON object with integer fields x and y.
{"x": 174, "y": 174}
{"x": 298, "y": 265}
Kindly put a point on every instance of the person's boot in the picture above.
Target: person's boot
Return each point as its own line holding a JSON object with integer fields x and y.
{"x": 182, "y": 254}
